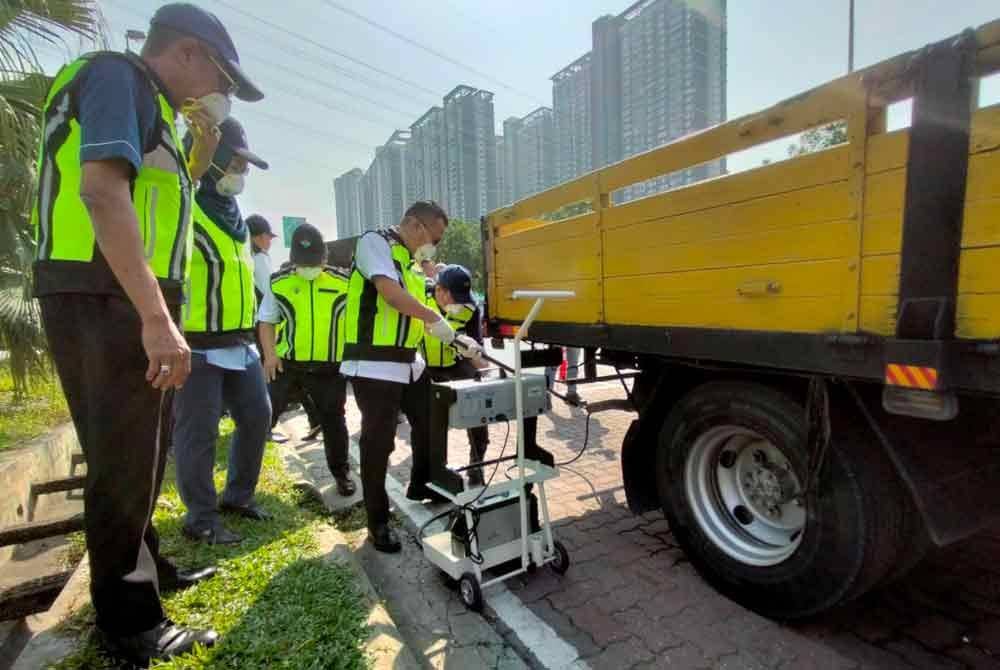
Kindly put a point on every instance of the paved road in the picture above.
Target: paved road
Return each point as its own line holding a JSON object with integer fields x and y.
{"x": 631, "y": 599}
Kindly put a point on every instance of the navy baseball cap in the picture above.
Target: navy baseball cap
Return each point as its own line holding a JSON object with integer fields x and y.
{"x": 196, "y": 22}
{"x": 307, "y": 246}
{"x": 458, "y": 281}
{"x": 235, "y": 138}
{"x": 258, "y": 225}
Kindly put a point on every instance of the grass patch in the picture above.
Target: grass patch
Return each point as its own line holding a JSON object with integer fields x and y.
{"x": 43, "y": 408}
{"x": 275, "y": 602}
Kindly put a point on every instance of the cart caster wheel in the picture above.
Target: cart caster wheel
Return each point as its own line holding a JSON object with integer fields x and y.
{"x": 560, "y": 563}
{"x": 470, "y": 593}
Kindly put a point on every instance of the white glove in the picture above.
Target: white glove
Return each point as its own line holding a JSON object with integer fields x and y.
{"x": 468, "y": 347}
{"x": 442, "y": 330}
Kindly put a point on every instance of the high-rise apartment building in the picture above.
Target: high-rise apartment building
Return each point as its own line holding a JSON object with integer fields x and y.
{"x": 673, "y": 79}
{"x": 530, "y": 161}
{"x": 606, "y": 91}
{"x": 470, "y": 153}
{"x": 502, "y": 196}
{"x": 349, "y": 196}
{"x": 425, "y": 158}
{"x": 571, "y": 104}
{"x": 388, "y": 180}
{"x": 511, "y": 130}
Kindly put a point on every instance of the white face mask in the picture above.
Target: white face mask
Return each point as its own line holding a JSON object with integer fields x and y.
{"x": 425, "y": 253}
{"x": 308, "y": 273}
{"x": 217, "y": 105}
{"x": 230, "y": 185}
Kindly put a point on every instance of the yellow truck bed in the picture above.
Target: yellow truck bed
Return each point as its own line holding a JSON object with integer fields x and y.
{"x": 809, "y": 245}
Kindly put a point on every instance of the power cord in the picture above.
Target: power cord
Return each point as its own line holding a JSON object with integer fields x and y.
{"x": 470, "y": 533}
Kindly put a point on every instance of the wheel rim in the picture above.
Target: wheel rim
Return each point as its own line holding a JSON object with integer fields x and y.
{"x": 468, "y": 592}
{"x": 742, "y": 490}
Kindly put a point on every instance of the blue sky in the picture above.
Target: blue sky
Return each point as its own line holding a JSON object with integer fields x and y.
{"x": 325, "y": 114}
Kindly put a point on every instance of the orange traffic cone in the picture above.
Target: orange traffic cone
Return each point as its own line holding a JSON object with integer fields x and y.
{"x": 563, "y": 367}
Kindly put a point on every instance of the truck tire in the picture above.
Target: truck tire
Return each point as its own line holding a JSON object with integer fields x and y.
{"x": 730, "y": 456}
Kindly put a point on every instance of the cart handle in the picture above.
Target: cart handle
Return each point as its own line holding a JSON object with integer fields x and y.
{"x": 520, "y": 294}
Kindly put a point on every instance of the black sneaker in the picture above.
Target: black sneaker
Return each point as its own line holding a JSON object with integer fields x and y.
{"x": 218, "y": 534}
{"x": 385, "y": 539}
{"x": 163, "y": 641}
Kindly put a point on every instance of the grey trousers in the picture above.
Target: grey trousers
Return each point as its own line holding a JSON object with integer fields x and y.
{"x": 197, "y": 410}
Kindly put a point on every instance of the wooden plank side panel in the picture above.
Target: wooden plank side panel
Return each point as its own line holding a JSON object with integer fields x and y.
{"x": 878, "y": 314}
{"x": 637, "y": 249}
{"x": 819, "y": 241}
{"x": 576, "y": 258}
{"x": 584, "y": 308}
{"x": 545, "y": 232}
{"x": 804, "y": 298}
{"x": 804, "y": 172}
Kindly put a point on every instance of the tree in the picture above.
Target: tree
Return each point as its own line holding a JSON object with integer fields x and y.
{"x": 463, "y": 245}
{"x": 23, "y": 24}
{"x": 816, "y": 139}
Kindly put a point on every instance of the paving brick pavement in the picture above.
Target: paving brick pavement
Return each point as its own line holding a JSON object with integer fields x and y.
{"x": 632, "y": 600}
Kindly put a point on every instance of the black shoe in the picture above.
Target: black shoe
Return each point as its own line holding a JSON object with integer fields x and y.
{"x": 216, "y": 535}
{"x": 164, "y": 641}
{"x": 573, "y": 398}
{"x": 178, "y": 580}
{"x": 253, "y": 511}
{"x": 421, "y": 492}
{"x": 345, "y": 485}
{"x": 476, "y": 478}
{"x": 313, "y": 433}
{"x": 385, "y": 539}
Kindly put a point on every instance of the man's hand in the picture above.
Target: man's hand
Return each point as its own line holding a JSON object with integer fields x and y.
{"x": 206, "y": 137}
{"x": 168, "y": 353}
{"x": 468, "y": 347}
{"x": 272, "y": 366}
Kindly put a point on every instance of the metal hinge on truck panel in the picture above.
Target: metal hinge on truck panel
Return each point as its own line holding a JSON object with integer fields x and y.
{"x": 916, "y": 364}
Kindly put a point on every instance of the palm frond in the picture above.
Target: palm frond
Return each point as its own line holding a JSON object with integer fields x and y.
{"x": 24, "y": 22}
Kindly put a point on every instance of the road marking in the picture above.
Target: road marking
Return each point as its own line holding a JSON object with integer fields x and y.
{"x": 541, "y": 639}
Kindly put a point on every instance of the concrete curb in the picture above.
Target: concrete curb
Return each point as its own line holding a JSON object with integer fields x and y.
{"x": 385, "y": 645}
{"x": 47, "y": 645}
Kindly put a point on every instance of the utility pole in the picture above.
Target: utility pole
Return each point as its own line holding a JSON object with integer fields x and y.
{"x": 850, "y": 38}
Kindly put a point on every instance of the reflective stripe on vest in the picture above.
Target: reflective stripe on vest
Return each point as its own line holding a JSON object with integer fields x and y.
{"x": 219, "y": 291}
{"x": 312, "y": 316}
{"x": 373, "y": 329}
{"x": 436, "y": 352}
{"x": 161, "y": 190}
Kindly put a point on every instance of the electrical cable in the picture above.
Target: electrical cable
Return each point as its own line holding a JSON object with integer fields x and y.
{"x": 427, "y": 49}
{"x": 324, "y": 47}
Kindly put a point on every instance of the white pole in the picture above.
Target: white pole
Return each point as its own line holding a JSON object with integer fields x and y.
{"x": 519, "y": 406}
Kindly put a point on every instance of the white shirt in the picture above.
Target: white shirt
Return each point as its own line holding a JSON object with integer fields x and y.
{"x": 373, "y": 258}
{"x": 262, "y": 274}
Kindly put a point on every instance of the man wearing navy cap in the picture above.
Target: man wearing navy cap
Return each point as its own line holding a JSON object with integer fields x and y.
{"x": 226, "y": 372}
{"x": 112, "y": 222}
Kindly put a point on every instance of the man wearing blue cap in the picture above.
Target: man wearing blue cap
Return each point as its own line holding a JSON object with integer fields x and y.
{"x": 113, "y": 227}
{"x": 226, "y": 372}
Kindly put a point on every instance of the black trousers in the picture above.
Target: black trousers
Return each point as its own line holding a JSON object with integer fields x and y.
{"x": 380, "y": 403}
{"x": 293, "y": 393}
{"x": 479, "y": 437}
{"x": 123, "y": 425}
{"x": 323, "y": 384}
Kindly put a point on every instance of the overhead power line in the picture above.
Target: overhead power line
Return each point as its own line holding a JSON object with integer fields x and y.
{"x": 423, "y": 47}
{"x": 356, "y": 61}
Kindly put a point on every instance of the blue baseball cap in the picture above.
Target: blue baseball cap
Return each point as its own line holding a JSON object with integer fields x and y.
{"x": 196, "y": 22}
{"x": 458, "y": 281}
